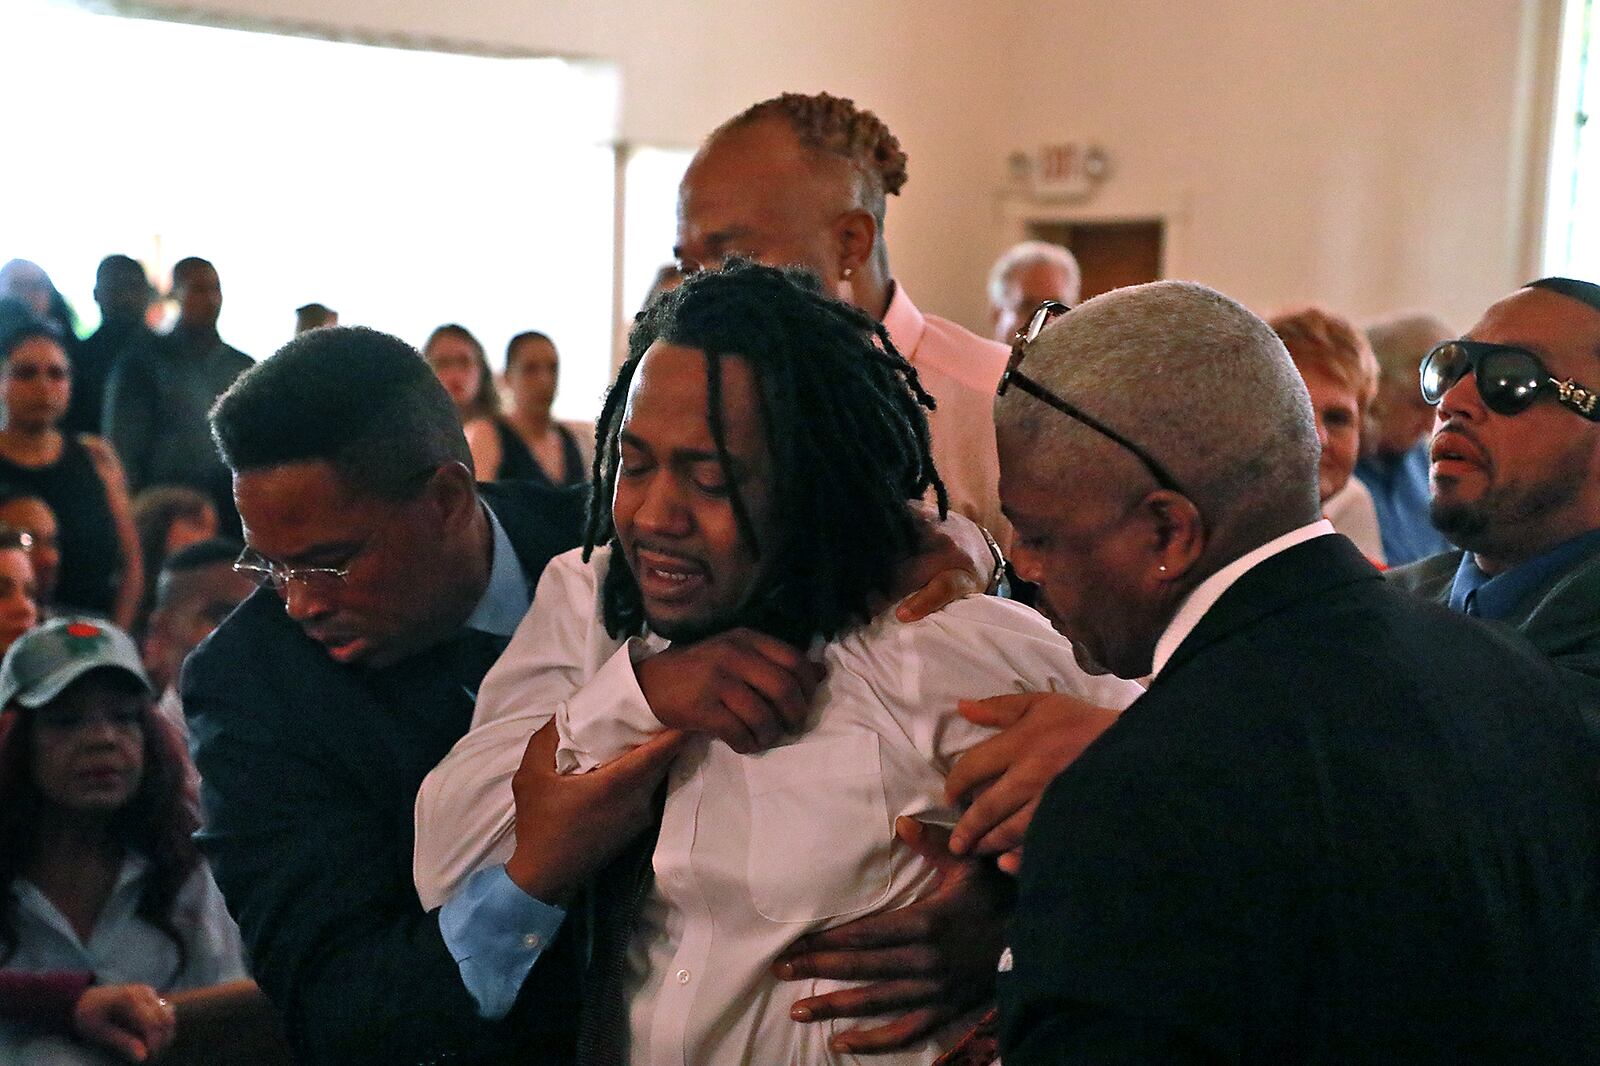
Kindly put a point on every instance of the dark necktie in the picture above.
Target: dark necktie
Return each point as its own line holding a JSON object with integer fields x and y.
{"x": 616, "y": 897}
{"x": 476, "y": 651}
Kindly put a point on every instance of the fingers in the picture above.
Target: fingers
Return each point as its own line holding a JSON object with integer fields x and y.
{"x": 944, "y": 589}
{"x": 1010, "y": 862}
{"x": 786, "y": 690}
{"x": 994, "y": 805}
{"x": 901, "y": 961}
{"x": 903, "y": 1031}
{"x": 1002, "y": 712}
{"x": 120, "y": 1041}
{"x": 982, "y": 763}
{"x": 930, "y": 842}
{"x": 750, "y": 723}
{"x": 130, "y": 1019}
{"x": 866, "y": 1000}
{"x": 1007, "y": 836}
{"x": 540, "y": 754}
{"x": 910, "y": 924}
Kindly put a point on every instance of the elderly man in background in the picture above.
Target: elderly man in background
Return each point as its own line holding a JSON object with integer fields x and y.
{"x": 802, "y": 181}
{"x": 1394, "y": 467}
{"x": 1343, "y": 824}
{"x": 1516, "y": 475}
{"x": 1025, "y": 276}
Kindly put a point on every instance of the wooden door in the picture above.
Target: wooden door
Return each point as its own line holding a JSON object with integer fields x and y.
{"x": 1111, "y": 254}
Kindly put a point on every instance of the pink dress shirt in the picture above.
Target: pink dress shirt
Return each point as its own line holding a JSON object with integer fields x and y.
{"x": 960, "y": 371}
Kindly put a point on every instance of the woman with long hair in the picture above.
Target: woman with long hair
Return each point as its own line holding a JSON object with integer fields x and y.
{"x": 529, "y": 444}
{"x": 78, "y": 475}
{"x": 458, "y": 361}
{"x": 98, "y": 868}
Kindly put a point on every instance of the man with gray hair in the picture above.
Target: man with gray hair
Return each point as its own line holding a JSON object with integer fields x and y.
{"x": 1026, "y": 276}
{"x": 1343, "y": 824}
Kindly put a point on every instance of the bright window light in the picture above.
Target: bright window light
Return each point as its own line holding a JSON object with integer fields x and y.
{"x": 1572, "y": 224}
{"x": 650, "y": 219}
{"x": 401, "y": 188}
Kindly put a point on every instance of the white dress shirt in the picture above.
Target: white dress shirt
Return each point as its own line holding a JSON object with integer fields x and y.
{"x": 755, "y": 851}
{"x": 1208, "y": 592}
{"x": 122, "y": 948}
{"x": 1353, "y": 513}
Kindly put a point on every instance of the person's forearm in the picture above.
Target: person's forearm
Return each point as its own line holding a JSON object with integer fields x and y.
{"x": 42, "y": 998}
{"x": 235, "y": 1016}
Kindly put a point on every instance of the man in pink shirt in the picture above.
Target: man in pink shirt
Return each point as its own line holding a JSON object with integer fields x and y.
{"x": 802, "y": 181}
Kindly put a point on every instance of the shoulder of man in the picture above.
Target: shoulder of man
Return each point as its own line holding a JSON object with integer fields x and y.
{"x": 1430, "y": 577}
{"x": 541, "y": 521}
{"x": 977, "y": 362}
{"x": 255, "y": 647}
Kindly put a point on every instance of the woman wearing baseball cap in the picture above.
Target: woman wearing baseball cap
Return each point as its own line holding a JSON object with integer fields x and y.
{"x": 98, "y": 871}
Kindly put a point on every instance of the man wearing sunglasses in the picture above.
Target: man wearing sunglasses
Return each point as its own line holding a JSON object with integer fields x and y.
{"x": 1342, "y": 824}
{"x": 1515, "y": 474}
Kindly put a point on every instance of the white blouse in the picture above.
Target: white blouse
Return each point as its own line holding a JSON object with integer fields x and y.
{"x": 121, "y": 949}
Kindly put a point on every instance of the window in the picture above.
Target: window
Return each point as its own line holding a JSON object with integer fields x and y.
{"x": 650, "y": 222}
{"x": 1572, "y": 223}
{"x": 402, "y": 188}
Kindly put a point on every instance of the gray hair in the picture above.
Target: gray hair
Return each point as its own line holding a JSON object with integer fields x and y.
{"x": 1026, "y": 254}
{"x": 1195, "y": 379}
{"x": 1401, "y": 343}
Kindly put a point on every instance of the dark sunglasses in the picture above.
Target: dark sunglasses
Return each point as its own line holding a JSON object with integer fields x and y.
{"x": 1509, "y": 379}
{"x": 1047, "y": 313}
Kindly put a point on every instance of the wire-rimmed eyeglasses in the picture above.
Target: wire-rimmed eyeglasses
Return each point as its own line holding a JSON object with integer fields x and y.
{"x": 1046, "y": 313}
{"x": 276, "y": 576}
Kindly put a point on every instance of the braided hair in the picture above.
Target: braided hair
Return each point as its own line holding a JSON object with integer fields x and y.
{"x": 835, "y": 126}
{"x": 844, "y": 422}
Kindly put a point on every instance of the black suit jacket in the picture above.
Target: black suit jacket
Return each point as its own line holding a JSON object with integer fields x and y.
{"x": 310, "y": 770}
{"x": 1343, "y": 826}
{"x": 1561, "y": 618}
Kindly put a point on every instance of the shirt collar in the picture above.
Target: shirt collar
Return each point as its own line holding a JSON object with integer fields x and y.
{"x": 1497, "y": 596}
{"x": 904, "y": 322}
{"x": 1208, "y": 592}
{"x": 507, "y": 598}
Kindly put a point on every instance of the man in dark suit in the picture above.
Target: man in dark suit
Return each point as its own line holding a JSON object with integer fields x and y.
{"x": 1343, "y": 825}
{"x": 1516, "y": 478}
{"x": 318, "y": 707}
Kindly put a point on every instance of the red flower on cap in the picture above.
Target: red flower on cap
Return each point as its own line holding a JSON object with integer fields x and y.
{"x": 82, "y": 629}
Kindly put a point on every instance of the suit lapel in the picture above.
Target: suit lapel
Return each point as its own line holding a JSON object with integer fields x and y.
{"x": 1563, "y": 612}
{"x": 1308, "y": 569}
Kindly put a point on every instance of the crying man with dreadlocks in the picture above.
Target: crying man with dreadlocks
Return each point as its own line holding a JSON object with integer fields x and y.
{"x": 756, "y": 458}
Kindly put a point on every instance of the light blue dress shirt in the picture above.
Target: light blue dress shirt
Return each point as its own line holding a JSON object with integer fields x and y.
{"x": 493, "y": 929}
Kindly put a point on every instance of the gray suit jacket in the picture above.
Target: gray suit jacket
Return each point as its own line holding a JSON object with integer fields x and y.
{"x": 1561, "y": 618}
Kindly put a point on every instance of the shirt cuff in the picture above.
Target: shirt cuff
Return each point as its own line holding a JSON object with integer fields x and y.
{"x": 608, "y": 716}
{"x": 496, "y": 932}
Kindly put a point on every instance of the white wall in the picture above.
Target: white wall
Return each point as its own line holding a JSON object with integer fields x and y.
{"x": 1356, "y": 153}
{"x": 926, "y": 68}
{"x": 1364, "y": 153}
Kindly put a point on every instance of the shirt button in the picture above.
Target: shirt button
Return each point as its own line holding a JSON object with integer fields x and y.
{"x": 532, "y": 940}
{"x": 683, "y": 977}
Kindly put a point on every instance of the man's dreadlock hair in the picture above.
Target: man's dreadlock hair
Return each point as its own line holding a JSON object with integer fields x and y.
{"x": 834, "y": 125}
{"x": 845, "y": 428}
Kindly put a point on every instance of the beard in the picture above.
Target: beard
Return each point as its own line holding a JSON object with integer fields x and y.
{"x": 1501, "y": 520}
